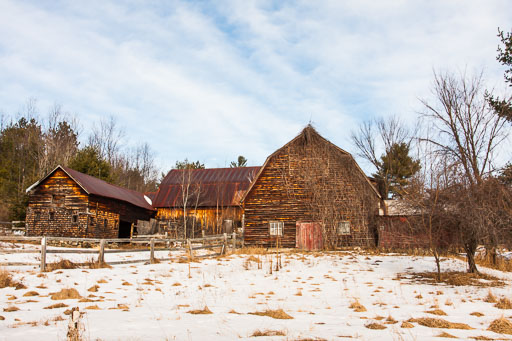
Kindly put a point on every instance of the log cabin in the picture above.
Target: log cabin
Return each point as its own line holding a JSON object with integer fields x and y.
{"x": 190, "y": 202}
{"x": 311, "y": 193}
{"x": 67, "y": 203}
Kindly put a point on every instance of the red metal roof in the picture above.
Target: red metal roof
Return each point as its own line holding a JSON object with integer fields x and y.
{"x": 206, "y": 187}
{"x": 101, "y": 188}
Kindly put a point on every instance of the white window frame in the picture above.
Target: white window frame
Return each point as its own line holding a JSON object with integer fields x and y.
{"x": 343, "y": 228}
{"x": 276, "y": 228}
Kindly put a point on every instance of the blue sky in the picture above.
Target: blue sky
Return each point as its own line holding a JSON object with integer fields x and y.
{"x": 213, "y": 80}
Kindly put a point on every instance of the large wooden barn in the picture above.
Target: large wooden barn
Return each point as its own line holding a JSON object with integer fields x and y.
{"x": 311, "y": 193}
{"x": 209, "y": 199}
{"x": 67, "y": 203}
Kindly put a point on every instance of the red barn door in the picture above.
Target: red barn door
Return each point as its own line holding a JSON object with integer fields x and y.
{"x": 309, "y": 236}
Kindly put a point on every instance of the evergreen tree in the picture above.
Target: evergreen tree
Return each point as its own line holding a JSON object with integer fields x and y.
{"x": 240, "y": 162}
{"x": 89, "y": 161}
{"x": 503, "y": 107}
{"x": 185, "y": 164}
{"x": 395, "y": 169}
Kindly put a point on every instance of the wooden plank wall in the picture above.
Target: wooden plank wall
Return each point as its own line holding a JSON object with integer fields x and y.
{"x": 284, "y": 193}
{"x": 61, "y": 197}
{"x": 209, "y": 219}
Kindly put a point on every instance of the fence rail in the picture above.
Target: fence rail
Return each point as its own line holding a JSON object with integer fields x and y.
{"x": 223, "y": 241}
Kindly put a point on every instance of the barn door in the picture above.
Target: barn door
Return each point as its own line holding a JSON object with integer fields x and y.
{"x": 309, "y": 236}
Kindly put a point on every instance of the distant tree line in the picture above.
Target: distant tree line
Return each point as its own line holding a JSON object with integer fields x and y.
{"x": 31, "y": 145}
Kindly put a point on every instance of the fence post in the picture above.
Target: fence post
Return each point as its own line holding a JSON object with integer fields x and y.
{"x": 225, "y": 242}
{"x": 234, "y": 240}
{"x": 101, "y": 256}
{"x": 189, "y": 244}
{"x": 131, "y": 231}
{"x": 43, "y": 254}
{"x": 152, "y": 251}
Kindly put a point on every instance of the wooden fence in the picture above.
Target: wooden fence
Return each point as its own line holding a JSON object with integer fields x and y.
{"x": 218, "y": 241}
{"x": 10, "y": 228}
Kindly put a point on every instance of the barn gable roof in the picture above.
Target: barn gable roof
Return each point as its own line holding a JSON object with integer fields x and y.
{"x": 206, "y": 187}
{"x": 308, "y": 133}
{"x": 95, "y": 186}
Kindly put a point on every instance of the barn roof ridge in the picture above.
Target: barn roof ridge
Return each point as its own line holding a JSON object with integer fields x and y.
{"x": 95, "y": 186}
{"x": 307, "y": 129}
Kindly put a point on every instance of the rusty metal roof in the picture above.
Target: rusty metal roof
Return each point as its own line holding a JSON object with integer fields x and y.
{"x": 206, "y": 187}
{"x": 95, "y": 186}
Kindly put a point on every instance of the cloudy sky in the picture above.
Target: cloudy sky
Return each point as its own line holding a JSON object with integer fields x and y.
{"x": 213, "y": 80}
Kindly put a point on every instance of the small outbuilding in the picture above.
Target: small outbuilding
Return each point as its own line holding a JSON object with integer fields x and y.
{"x": 67, "y": 203}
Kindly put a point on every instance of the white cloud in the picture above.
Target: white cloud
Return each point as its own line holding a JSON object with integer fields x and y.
{"x": 210, "y": 82}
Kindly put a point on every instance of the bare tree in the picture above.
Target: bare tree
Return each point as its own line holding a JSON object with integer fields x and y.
{"x": 107, "y": 137}
{"x": 375, "y": 140}
{"x": 467, "y": 135}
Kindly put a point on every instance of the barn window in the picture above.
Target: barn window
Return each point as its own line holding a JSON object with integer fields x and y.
{"x": 276, "y": 228}
{"x": 37, "y": 216}
{"x": 105, "y": 223}
{"x": 52, "y": 215}
{"x": 74, "y": 218}
{"x": 344, "y": 227}
{"x": 93, "y": 221}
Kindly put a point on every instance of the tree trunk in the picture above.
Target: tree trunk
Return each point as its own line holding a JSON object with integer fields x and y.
{"x": 470, "y": 248}
{"x": 438, "y": 265}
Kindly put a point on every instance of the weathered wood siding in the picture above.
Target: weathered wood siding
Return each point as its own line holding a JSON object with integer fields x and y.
{"x": 209, "y": 219}
{"x": 52, "y": 206}
{"x": 55, "y": 202}
{"x": 288, "y": 190}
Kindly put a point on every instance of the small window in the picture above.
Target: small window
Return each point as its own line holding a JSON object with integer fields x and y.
{"x": 52, "y": 215}
{"x": 74, "y": 218}
{"x": 276, "y": 228}
{"x": 344, "y": 227}
{"x": 105, "y": 223}
{"x": 93, "y": 221}
{"x": 37, "y": 216}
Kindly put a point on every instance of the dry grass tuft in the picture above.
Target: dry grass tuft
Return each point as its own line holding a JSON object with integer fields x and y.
{"x": 233, "y": 311}
{"x": 445, "y": 334}
{"x": 358, "y": 307}
{"x": 438, "y": 312}
{"x": 459, "y": 278}
{"x": 203, "y": 311}
{"x": 276, "y": 314}
{"x": 62, "y": 264}
{"x": 406, "y": 324}
{"x": 504, "y": 303}
{"x": 268, "y": 333}
{"x": 477, "y": 314}
{"x": 92, "y": 264}
{"x": 55, "y": 306}
{"x": 375, "y": 325}
{"x": 501, "y": 326}
{"x": 439, "y": 323}
{"x": 102, "y": 281}
{"x": 481, "y": 337}
{"x": 7, "y": 281}
{"x": 93, "y": 307}
{"x": 65, "y": 294}
{"x": 11, "y": 309}
{"x": 252, "y": 259}
{"x": 94, "y": 288}
{"x": 30, "y": 294}
{"x": 251, "y": 251}
{"x": 490, "y": 298}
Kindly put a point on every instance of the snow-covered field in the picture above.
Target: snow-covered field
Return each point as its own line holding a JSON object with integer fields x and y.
{"x": 153, "y": 302}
